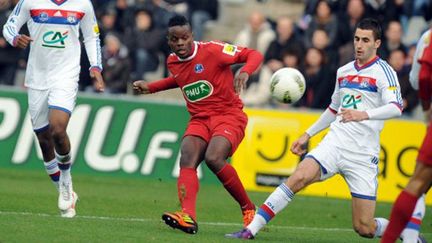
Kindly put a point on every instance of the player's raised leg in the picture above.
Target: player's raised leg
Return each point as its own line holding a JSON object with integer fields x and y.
{"x": 217, "y": 152}
{"x": 192, "y": 153}
{"x": 305, "y": 174}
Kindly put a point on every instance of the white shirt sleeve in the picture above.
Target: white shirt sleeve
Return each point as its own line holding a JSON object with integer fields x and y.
{"x": 19, "y": 16}
{"x": 90, "y": 32}
{"x": 335, "y": 98}
{"x": 384, "y": 112}
{"x": 326, "y": 118}
{"x": 392, "y": 102}
{"x": 415, "y": 68}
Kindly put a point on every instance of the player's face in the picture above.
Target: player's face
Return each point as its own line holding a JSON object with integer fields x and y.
{"x": 365, "y": 45}
{"x": 180, "y": 40}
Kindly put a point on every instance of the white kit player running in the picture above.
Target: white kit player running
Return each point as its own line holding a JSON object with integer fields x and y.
{"x": 52, "y": 77}
{"x": 367, "y": 92}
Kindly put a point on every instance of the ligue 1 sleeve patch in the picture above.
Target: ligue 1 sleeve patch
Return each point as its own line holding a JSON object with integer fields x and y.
{"x": 96, "y": 29}
{"x": 229, "y": 49}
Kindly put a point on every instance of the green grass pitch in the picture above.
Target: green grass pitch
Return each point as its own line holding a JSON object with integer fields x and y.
{"x": 119, "y": 209}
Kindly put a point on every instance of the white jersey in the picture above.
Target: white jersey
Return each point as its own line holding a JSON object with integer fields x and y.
{"x": 55, "y": 50}
{"x": 363, "y": 88}
{"x": 415, "y": 69}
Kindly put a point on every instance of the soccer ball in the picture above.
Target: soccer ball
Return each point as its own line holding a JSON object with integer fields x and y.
{"x": 287, "y": 85}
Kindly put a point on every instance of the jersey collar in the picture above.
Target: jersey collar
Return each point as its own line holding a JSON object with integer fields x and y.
{"x": 191, "y": 56}
{"x": 58, "y": 2}
{"x": 366, "y": 65}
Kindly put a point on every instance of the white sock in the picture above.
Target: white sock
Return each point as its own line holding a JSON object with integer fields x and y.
{"x": 411, "y": 232}
{"x": 53, "y": 171}
{"x": 381, "y": 226}
{"x": 277, "y": 201}
{"x": 64, "y": 164}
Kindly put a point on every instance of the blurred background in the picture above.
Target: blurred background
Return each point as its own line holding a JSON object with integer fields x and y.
{"x": 314, "y": 36}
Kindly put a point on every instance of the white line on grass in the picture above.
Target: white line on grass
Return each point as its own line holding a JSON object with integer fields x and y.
{"x": 154, "y": 220}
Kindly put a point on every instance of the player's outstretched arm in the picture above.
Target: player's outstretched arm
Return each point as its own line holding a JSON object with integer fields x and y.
{"x": 299, "y": 145}
{"x": 141, "y": 86}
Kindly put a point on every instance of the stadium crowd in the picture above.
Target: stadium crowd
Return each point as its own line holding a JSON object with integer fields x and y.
{"x": 132, "y": 34}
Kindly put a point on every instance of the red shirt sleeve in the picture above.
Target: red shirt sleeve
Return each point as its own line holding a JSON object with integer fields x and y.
{"x": 230, "y": 54}
{"x": 163, "y": 84}
{"x": 252, "y": 60}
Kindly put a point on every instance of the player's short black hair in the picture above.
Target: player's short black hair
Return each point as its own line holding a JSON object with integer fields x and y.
{"x": 178, "y": 20}
{"x": 371, "y": 24}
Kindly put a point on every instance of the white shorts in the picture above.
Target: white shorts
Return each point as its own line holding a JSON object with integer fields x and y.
{"x": 40, "y": 101}
{"x": 359, "y": 170}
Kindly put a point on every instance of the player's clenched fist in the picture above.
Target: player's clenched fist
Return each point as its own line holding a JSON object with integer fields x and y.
{"x": 141, "y": 86}
{"x": 299, "y": 146}
{"x": 22, "y": 41}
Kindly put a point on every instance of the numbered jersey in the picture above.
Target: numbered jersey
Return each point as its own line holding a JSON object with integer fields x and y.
{"x": 55, "y": 49}
{"x": 363, "y": 88}
{"x": 206, "y": 79}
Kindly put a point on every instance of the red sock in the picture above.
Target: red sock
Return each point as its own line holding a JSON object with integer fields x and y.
{"x": 229, "y": 178}
{"x": 400, "y": 215}
{"x": 187, "y": 188}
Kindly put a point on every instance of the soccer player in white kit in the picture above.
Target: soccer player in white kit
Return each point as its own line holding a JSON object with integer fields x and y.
{"x": 367, "y": 92}
{"x": 52, "y": 77}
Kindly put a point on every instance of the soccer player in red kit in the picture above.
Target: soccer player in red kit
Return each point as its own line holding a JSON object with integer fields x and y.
{"x": 202, "y": 71}
{"x": 421, "y": 180}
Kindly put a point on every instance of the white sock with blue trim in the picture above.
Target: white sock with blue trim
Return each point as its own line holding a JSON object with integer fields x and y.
{"x": 277, "y": 201}
{"x": 411, "y": 232}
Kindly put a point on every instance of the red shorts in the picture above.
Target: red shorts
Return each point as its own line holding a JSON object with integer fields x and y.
{"x": 230, "y": 125}
{"x": 425, "y": 153}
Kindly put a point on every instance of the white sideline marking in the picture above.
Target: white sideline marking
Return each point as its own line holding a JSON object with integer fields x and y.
{"x": 154, "y": 220}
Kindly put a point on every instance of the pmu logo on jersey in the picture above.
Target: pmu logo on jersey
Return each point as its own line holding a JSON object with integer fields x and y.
{"x": 351, "y": 101}
{"x": 54, "y": 39}
{"x": 199, "y": 68}
{"x": 198, "y": 90}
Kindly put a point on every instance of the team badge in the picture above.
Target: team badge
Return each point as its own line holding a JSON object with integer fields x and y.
{"x": 71, "y": 18}
{"x": 199, "y": 68}
{"x": 364, "y": 84}
{"x": 43, "y": 17}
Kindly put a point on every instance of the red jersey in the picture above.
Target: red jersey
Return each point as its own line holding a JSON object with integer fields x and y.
{"x": 205, "y": 77}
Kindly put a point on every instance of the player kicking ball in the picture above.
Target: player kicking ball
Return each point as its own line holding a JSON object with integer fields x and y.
{"x": 52, "y": 77}
{"x": 216, "y": 127}
{"x": 367, "y": 92}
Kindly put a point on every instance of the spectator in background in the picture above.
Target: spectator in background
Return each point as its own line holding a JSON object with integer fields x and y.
{"x": 325, "y": 20}
{"x": 409, "y": 95}
{"x": 144, "y": 41}
{"x": 162, "y": 12}
{"x": 107, "y": 23}
{"x": 285, "y": 39}
{"x": 393, "y": 40}
{"x": 202, "y": 11}
{"x": 384, "y": 10}
{"x": 355, "y": 11}
{"x": 8, "y": 54}
{"x": 116, "y": 65}
{"x": 257, "y": 34}
{"x": 319, "y": 81}
{"x": 320, "y": 41}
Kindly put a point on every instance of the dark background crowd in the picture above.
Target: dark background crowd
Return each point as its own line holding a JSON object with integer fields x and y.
{"x": 317, "y": 43}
